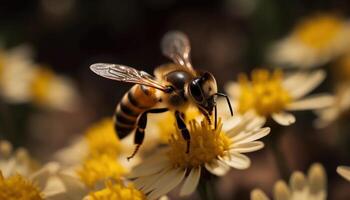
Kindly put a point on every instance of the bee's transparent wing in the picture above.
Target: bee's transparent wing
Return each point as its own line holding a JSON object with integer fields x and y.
{"x": 126, "y": 74}
{"x": 176, "y": 46}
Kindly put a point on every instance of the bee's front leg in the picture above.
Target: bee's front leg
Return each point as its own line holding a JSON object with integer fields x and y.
{"x": 182, "y": 126}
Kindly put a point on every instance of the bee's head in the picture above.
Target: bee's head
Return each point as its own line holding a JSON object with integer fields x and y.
{"x": 202, "y": 90}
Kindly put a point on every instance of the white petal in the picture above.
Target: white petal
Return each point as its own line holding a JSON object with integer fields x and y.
{"x": 258, "y": 194}
{"x": 236, "y": 160}
{"x": 313, "y": 80}
{"x": 167, "y": 182}
{"x": 74, "y": 153}
{"x": 8, "y": 167}
{"x": 233, "y": 89}
{"x": 344, "y": 171}
{"x": 247, "y": 147}
{"x": 290, "y": 80}
{"x": 251, "y": 136}
{"x": 41, "y": 177}
{"x": 313, "y": 102}
{"x": 217, "y": 167}
{"x": 191, "y": 182}
{"x": 283, "y": 118}
{"x": 145, "y": 183}
{"x": 152, "y": 165}
{"x": 249, "y": 121}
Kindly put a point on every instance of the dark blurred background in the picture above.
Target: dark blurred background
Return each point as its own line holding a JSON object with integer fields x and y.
{"x": 227, "y": 37}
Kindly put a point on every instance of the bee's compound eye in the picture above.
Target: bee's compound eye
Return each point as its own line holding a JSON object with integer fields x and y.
{"x": 195, "y": 91}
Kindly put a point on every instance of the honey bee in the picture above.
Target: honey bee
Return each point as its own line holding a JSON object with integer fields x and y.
{"x": 174, "y": 87}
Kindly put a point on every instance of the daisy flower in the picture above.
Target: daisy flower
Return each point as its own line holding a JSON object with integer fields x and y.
{"x": 20, "y": 180}
{"x": 344, "y": 171}
{"x": 99, "y": 139}
{"x": 96, "y": 170}
{"x": 117, "y": 190}
{"x": 340, "y": 105}
{"x": 47, "y": 183}
{"x": 98, "y": 155}
{"x": 215, "y": 150}
{"x": 313, "y": 41}
{"x": 272, "y": 94}
{"x": 53, "y": 91}
{"x": 13, "y": 162}
{"x": 300, "y": 188}
{"x": 16, "y": 74}
{"x": 22, "y": 81}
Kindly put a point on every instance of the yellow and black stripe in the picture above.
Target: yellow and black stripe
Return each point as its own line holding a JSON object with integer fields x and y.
{"x": 137, "y": 100}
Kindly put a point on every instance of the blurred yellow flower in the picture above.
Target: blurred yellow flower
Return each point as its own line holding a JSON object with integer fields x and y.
{"x": 20, "y": 180}
{"x": 313, "y": 41}
{"x": 100, "y": 168}
{"x": 117, "y": 190}
{"x": 102, "y": 139}
{"x": 300, "y": 188}
{"x": 99, "y": 139}
{"x": 53, "y": 91}
{"x": 18, "y": 188}
{"x": 344, "y": 171}
{"x": 98, "y": 155}
{"x": 272, "y": 94}
{"x": 216, "y": 150}
{"x": 14, "y": 162}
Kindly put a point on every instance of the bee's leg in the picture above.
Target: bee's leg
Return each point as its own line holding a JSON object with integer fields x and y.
{"x": 140, "y": 130}
{"x": 184, "y": 131}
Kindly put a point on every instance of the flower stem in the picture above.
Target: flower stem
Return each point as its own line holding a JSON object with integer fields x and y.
{"x": 279, "y": 156}
{"x": 206, "y": 188}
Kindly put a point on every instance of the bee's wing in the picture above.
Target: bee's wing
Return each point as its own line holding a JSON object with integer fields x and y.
{"x": 176, "y": 46}
{"x": 126, "y": 74}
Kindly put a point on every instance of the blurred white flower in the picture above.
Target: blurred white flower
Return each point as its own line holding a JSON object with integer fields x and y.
{"x": 20, "y": 180}
{"x": 98, "y": 155}
{"x": 344, "y": 171}
{"x": 13, "y": 162}
{"x": 340, "y": 105}
{"x": 23, "y": 81}
{"x": 314, "y": 41}
{"x": 16, "y": 74}
{"x": 314, "y": 187}
{"x": 53, "y": 91}
{"x": 272, "y": 94}
{"x": 216, "y": 150}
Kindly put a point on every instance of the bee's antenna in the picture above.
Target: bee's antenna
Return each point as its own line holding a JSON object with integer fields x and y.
{"x": 227, "y": 99}
{"x": 216, "y": 116}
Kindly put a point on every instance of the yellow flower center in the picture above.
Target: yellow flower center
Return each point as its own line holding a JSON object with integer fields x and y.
{"x": 319, "y": 31}
{"x": 98, "y": 169}
{"x": 101, "y": 139}
{"x": 264, "y": 93}
{"x": 206, "y": 145}
{"x": 166, "y": 122}
{"x": 40, "y": 85}
{"x": 117, "y": 191}
{"x": 18, "y": 188}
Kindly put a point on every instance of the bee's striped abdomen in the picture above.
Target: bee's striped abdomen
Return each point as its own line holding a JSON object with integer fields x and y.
{"x": 138, "y": 99}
